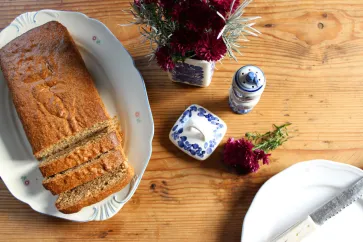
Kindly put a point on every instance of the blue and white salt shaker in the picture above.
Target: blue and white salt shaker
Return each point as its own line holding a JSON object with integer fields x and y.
{"x": 247, "y": 87}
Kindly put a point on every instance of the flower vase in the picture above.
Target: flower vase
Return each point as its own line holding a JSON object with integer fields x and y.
{"x": 193, "y": 72}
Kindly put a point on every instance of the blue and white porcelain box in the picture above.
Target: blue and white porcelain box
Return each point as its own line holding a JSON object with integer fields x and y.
{"x": 198, "y": 132}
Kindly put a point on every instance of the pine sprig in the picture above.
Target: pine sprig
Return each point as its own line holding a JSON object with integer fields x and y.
{"x": 153, "y": 24}
{"x": 236, "y": 29}
{"x": 270, "y": 140}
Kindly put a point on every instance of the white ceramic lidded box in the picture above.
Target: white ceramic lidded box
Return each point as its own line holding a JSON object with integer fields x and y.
{"x": 198, "y": 132}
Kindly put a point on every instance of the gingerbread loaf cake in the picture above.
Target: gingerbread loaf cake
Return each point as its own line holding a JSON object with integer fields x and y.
{"x": 52, "y": 90}
{"x": 64, "y": 118}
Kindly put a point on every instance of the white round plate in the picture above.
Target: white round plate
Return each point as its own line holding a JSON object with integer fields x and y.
{"x": 123, "y": 92}
{"x": 296, "y": 192}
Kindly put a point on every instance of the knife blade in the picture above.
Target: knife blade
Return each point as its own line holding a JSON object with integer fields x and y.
{"x": 307, "y": 226}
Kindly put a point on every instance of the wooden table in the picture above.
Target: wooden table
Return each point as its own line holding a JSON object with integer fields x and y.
{"x": 312, "y": 55}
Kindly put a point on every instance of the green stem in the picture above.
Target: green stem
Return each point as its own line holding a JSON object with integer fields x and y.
{"x": 270, "y": 140}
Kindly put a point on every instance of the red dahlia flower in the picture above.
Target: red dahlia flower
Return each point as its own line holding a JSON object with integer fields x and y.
{"x": 210, "y": 48}
{"x": 217, "y": 23}
{"x": 167, "y": 4}
{"x": 183, "y": 41}
{"x": 150, "y": 1}
{"x": 199, "y": 16}
{"x": 177, "y": 10}
{"x": 194, "y": 15}
{"x": 137, "y": 3}
{"x": 163, "y": 57}
{"x": 224, "y": 6}
{"x": 240, "y": 155}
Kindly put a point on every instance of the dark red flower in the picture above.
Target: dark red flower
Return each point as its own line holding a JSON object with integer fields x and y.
{"x": 261, "y": 155}
{"x": 194, "y": 15}
{"x": 239, "y": 154}
{"x": 150, "y": 1}
{"x": 210, "y": 48}
{"x": 164, "y": 59}
{"x": 137, "y": 3}
{"x": 176, "y": 12}
{"x": 224, "y": 6}
{"x": 217, "y": 22}
{"x": 183, "y": 41}
{"x": 199, "y": 16}
{"x": 167, "y": 4}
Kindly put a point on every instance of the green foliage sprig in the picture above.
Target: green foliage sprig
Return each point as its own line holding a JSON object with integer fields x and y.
{"x": 270, "y": 140}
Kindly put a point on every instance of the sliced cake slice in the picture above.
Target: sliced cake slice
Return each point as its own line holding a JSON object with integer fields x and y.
{"x": 86, "y": 172}
{"x": 106, "y": 140}
{"x": 95, "y": 191}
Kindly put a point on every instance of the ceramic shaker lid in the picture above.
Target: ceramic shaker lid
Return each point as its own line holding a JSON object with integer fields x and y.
{"x": 250, "y": 78}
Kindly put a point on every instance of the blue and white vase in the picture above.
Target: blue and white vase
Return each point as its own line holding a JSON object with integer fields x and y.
{"x": 193, "y": 72}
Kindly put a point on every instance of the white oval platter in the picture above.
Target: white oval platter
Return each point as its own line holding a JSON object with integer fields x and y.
{"x": 123, "y": 91}
{"x": 296, "y": 192}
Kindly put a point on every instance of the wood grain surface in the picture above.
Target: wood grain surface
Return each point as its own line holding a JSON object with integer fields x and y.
{"x": 312, "y": 55}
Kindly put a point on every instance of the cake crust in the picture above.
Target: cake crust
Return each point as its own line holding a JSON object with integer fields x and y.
{"x": 52, "y": 90}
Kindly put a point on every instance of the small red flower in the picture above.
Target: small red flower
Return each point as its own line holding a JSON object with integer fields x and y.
{"x": 137, "y": 114}
{"x": 94, "y": 38}
{"x": 218, "y": 23}
{"x": 167, "y": 4}
{"x": 183, "y": 40}
{"x": 239, "y": 154}
{"x": 150, "y": 1}
{"x": 194, "y": 15}
{"x": 181, "y": 12}
{"x": 210, "y": 48}
{"x": 27, "y": 182}
{"x": 224, "y": 6}
{"x": 164, "y": 59}
{"x": 199, "y": 16}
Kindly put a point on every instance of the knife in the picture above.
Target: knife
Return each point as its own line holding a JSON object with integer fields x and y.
{"x": 303, "y": 228}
